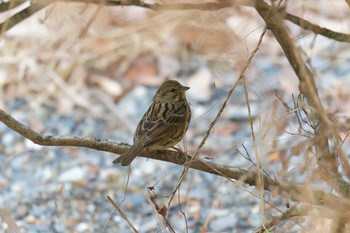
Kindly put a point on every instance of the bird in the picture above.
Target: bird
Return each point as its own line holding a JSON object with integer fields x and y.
{"x": 163, "y": 125}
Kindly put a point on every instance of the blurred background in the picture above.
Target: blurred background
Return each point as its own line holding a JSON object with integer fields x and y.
{"x": 91, "y": 70}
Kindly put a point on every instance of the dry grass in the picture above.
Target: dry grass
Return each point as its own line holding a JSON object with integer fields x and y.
{"x": 90, "y": 56}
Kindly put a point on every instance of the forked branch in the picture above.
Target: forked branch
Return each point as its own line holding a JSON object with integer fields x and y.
{"x": 323, "y": 130}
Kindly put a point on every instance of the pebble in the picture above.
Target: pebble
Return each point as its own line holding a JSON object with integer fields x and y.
{"x": 8, "y": 138}
{"x": 59, "y": 228}
{"x": 73, "y": 175}
{"x": 63, "y": 189}
{"x": 240, "y": 112}
{"x": 201, "y": 86}
{"x": 109, "y": 174}
{"x": 71, "y": 183}
{"x": 223, "y": 223}
{"x": 31, "y": 145}
{"x": 149, "y": 226}
{"x": 82, "y": 227}
{"x": 135, "y": 102}
{"x": 22, "y": 211}
{"x": 108, "y": 85}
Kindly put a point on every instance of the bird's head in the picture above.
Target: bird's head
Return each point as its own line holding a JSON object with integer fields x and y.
{"x": 171, "y": 90}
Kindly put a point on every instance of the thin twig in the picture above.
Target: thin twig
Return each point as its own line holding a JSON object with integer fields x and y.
{"x": 248, "y": 177}
{"x": 84, "y": 31}
{"x": 307, "y": 86}
{"x": 109, "y": 219}
{"x": 338, "y": 36}
{"x": 126, "y": 186}
{"x": 160, "y": 210}
{"x": 122, "y": 213}
{"x": 252, "y": 132}
{"x": 182, "y": 211}
{"x": 292, "y": 212}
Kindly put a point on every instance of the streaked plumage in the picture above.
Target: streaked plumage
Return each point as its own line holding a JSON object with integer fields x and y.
{"x": 163, "y": 125}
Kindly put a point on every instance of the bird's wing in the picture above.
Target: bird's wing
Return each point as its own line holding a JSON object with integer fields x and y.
{"x": 162, "y": 120}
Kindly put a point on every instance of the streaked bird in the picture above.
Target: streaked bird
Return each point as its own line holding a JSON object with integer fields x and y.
{"x": 163, "y": 125}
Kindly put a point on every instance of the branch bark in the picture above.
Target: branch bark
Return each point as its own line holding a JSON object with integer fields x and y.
{"x": 289, "y": 190}
{"x": 322, "y": 133}
{"x": 338, "y": 36}
{"x": 348, "y": 2}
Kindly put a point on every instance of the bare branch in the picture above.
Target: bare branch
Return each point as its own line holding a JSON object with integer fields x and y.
{"x": 103, "y": 145}
{"x": 292, "y": 191}
{"x": 292, "y": 212}
{"x": 322, "y": 130}
{"x": 342, "y": 37}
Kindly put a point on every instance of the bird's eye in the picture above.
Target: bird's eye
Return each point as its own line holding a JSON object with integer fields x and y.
{"x": 173, "y": 90}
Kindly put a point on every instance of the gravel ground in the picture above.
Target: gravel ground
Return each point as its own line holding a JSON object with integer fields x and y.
{"x": 64, "y": 189}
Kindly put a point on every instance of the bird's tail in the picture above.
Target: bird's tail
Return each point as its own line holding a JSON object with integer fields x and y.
{"x": 128, "y": 156}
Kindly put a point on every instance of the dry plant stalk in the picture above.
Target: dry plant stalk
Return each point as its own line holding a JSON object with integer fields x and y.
{"x": 159, "y": 210}
{"x": 122, "y": 214}
{"x": 318, "y": 120}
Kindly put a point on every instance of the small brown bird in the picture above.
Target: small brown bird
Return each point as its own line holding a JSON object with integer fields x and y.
{"x": 163, "y": 125}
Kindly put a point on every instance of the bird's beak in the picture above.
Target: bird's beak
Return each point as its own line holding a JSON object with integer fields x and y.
{"x": 184, "y": 88}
